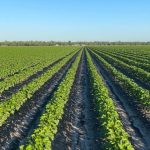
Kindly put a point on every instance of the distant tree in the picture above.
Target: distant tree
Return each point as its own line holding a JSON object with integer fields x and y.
{"x": 69, "y": 43}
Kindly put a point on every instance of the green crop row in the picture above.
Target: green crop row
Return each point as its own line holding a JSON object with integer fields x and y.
{"x": 18, "y": 99}
{"x": 16, "y": 59}
{"x": 141, "y": 52}
{"x": 133, "y": 71}
{"x": 126, "y": 51}
{"x": 23, "y": 75}
{"x": 142, "y": 65}
{"x": 136, "y": 93}
{"x": 112, "y": 134}
{"x": 43, "y": 135}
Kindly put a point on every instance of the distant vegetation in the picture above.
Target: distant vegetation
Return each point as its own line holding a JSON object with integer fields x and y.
{"x": 55, "y": 43}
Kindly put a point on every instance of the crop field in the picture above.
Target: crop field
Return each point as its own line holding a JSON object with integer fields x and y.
{"x": 75, "y": 98}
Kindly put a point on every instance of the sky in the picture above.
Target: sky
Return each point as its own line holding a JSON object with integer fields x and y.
{"x": 75, "y": 20}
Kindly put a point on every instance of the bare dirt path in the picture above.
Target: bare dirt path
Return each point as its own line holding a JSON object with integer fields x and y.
{"x": 78, "y": 128}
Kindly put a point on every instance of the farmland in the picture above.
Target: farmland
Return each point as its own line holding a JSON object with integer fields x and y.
{"x": 73, "y": 97}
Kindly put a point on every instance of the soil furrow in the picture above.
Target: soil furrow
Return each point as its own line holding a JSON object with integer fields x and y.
{"x": 78, "y": 129}
{"x": 18, "y": 126}
{"x": 131, "y": 119}
{"x": 8, "y": 93}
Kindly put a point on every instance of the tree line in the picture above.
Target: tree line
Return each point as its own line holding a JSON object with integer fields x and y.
{"x": 59, "y": 43}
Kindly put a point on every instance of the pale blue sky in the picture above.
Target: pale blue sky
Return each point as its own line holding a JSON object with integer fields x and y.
{"x": 76, "y": 20}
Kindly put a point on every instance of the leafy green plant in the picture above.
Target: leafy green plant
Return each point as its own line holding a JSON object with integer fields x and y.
{"x": 136, "y": 93}
{"x": 18, "y": 99}
{"x": 43, "y": 135}
{"x": 14, "y": 60}
{"x": 133, "y": 71}
{"x": 125, "y": 59}
{"x": 112, "y": 134}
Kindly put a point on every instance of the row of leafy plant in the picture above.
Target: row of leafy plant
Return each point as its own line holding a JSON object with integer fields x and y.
{"x": 144, "y": 66}
{"x": 43, "y": 135}
{"x": 11, "y": 64}
{"x": 141, "y": 52}
{"x": 112, "y": 134}
{"x": 16, "y": 59}
{"x": 125, "y": 51}
{"x": 23, "y": 75}
{"x": 136, "y": 93}
{"x": 25, "y": 93}
{"x": 133, "y": 71}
